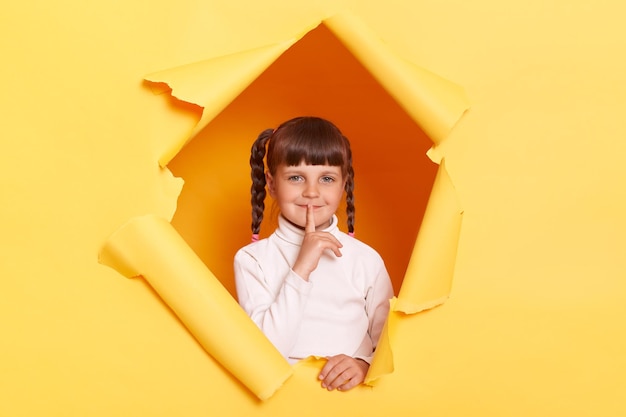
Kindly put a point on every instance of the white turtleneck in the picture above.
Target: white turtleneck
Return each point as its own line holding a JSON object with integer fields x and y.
{"x": 341, "y": 309}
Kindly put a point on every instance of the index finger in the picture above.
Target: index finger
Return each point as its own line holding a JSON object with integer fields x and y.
{"x": 309, "y": 226}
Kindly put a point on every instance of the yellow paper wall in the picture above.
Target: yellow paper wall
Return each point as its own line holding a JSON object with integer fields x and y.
{"x": 534, "y": 325}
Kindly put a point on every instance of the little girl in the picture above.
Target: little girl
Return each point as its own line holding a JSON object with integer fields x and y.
{"x": 312, "y": 289}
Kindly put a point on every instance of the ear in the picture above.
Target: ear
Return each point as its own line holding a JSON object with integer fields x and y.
{"x": 271, "y": 185}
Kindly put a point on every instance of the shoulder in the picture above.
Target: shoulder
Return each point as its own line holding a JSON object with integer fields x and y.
{"x": 359, "y": 249}
{"x": 260, "y": 250}
{"x": 253, "y": 250}
{"x": 365, "y": 264}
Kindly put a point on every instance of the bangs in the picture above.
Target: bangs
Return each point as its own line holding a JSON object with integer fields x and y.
{"x": 313, "y": 151}
{"x": 309, "y": 140}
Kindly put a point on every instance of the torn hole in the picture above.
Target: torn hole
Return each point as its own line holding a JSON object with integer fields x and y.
{"x": 320, "y": 76}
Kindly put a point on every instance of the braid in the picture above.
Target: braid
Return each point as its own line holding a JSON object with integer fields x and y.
{"x": 350, "y": 191}
{"x": 258, "y": 179}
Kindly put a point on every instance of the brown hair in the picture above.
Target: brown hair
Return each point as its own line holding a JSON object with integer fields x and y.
{"x": 312, "y": 140}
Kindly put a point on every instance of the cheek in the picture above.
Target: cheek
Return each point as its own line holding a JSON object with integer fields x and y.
{"x": 337, "y": 195}
{"x": 282, "y": 193}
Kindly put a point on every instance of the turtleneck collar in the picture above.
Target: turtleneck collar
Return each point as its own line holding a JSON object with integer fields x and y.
{"x": 293, "y": 234}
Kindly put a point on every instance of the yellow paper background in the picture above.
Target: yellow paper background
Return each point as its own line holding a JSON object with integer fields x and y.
{"x": 534, "y": 325}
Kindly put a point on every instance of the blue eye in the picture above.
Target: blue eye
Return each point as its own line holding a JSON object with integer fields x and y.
{"x": 327, "y": 179}
{"x": 295, "y": 178}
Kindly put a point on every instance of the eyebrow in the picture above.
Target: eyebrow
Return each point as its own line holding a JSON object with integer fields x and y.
{"x": 296, "y": 170}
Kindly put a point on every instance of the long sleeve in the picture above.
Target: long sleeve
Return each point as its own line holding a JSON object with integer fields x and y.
{"x": 275, "y": 304}
{"x": 377, "y": 297}
{"x": 377, "y": 303}
{"x": 342, "y": 308}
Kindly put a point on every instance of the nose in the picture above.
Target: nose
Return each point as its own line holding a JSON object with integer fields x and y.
{"x": 310, "y": 190}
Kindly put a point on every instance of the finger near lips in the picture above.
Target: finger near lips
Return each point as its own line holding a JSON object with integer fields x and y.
{"x": 310, "y": 219}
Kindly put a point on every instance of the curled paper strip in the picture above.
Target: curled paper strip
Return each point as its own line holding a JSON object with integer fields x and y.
{"x": 150, "y": 247}
{"x": 436, "y": 104}
{"x": 428, "y": 278}
{"x": 212, "y": 84}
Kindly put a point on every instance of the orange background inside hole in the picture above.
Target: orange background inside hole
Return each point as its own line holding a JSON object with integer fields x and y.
{"x": 317, "y": 76}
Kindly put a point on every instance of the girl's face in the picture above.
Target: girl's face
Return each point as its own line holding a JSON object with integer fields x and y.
{"x": 295, "y": 187}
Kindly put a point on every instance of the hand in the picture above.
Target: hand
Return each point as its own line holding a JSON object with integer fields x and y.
{"x": 313, "y": 245}
{"x": 343, "y": 372}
